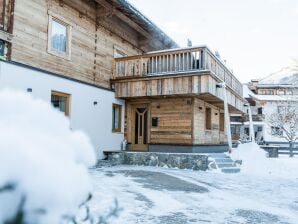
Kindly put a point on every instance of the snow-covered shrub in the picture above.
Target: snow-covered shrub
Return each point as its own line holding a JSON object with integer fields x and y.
{"x": 43, "y": 164}
{"x": 284, "y": 123}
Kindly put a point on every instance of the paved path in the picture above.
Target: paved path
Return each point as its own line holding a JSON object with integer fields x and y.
{"x": 157, "y": 195}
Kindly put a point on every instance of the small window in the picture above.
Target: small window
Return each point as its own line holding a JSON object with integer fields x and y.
{"x": 154, "y": 122}
{"x": 276, "y": 131}
{"x": 61, "y": 101}
{"x": 233, "y": 130}
{"x": 260, "y": 110}
{"x": 59, "y": 38}
{"x": 208, "y": 119}
{"x": 118, "y": 54}
{"x": 116, "y": 118}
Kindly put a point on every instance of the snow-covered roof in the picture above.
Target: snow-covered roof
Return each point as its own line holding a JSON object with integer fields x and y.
{"x": 276, "y": 86}
{"x": 271, "y": 98}
{"x": 247, "y": 93}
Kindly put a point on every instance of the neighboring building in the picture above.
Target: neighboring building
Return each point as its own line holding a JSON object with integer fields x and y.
{"x": 265, "y": 97}
{"x": 90, "y": 60}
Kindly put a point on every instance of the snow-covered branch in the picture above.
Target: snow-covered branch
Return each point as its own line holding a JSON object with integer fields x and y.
{"x": 284, "y": 122}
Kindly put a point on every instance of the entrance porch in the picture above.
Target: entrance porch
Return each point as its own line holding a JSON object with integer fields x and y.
{"x": 178, "y": 125}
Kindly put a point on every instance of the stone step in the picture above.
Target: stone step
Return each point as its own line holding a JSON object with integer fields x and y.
{"x": 231, "y": 170}
{"x": 219, "y": 156}
{"x": 225, "y": 165}
{"x": 223, "y": 160}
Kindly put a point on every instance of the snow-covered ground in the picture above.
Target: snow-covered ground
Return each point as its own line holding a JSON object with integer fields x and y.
{"x": 264, "y": 192}
{"x": 160, "y": 195}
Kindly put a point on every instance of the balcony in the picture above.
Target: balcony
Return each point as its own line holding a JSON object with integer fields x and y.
{"x": 256, "y": 117}
{"x": 194, "y": 71}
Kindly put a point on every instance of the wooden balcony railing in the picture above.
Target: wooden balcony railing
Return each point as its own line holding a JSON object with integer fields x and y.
{"x": 176, "y": 61}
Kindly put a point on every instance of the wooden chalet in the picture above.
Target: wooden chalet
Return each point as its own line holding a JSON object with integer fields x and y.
{"x": 173, "y": 99}
{"x": 160, "y": 97}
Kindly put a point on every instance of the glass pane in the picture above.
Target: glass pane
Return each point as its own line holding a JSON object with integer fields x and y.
{"x": 116, "y": 118}
{"x": 141, "y": 110}
{"x": 145, "y": 127}
{"x": 59, "y": 102}
{"x": 141, "y": 125}
{"x": 58, "y": 38}
{"x": 136, "y": 128}
{"x": 118, "y": 54}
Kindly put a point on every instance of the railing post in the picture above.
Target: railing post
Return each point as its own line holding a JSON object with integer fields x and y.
{"x": 115, "y": 70}
{"x": 204, "y": 59}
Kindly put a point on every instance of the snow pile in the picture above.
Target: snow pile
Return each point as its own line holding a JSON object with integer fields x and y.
{"x": 256, "y": 162}
{"x": 42, "y": 161}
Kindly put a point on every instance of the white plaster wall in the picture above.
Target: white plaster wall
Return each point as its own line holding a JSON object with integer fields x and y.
{"x": 95, "y": 121}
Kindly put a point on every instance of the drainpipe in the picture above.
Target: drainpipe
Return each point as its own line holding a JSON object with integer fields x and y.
{"x": 227, "y": 115}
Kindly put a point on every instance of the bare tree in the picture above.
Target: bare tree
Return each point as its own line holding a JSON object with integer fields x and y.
{"x": 284, "y": 123}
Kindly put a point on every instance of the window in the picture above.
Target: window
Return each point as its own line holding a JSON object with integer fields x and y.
{"x": 154, "y": 122}
{"x": 233, "y": 130}
{"x": 118, "y": 53}
{"x": 269, "y": 92}
{"x": 260, "y": 110}
{"x": 59, "y": 37}
{"x": 281, "y": 92}
{"x": 61, "y": 101}
{"x": 116, "y": 118}
{"x": 262, "y": 92}
{"x": 222, "y": 122}
{"x": 208, "y": 119}
{"x": 276, "y": 131}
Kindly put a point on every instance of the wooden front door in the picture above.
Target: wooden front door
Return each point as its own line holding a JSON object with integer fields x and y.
{"x": 140, "y": 128}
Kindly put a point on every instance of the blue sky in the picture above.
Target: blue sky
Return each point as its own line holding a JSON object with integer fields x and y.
{"x": 256, "y": 37}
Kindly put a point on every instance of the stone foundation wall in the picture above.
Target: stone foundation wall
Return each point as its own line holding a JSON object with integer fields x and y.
{"x": 171, "y": 160}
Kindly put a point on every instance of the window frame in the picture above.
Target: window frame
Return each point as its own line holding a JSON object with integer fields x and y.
{"x": 67, "y": 96}
{"x": 67, "y": 54}
{"x": 119, "y": 129}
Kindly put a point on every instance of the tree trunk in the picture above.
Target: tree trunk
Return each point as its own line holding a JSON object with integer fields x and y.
{"x": 291, "y": 148}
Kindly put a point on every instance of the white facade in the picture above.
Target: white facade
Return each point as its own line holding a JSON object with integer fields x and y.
{"x": 262, "y": 129}
{"x": 94, "y": 120}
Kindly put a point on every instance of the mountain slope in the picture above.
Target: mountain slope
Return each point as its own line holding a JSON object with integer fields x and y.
{"x": 287, "y": 75}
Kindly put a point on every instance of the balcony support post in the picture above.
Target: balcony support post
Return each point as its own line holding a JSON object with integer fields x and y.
{"x": 251, "y": 126}
{"x": 226, "y": 115}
